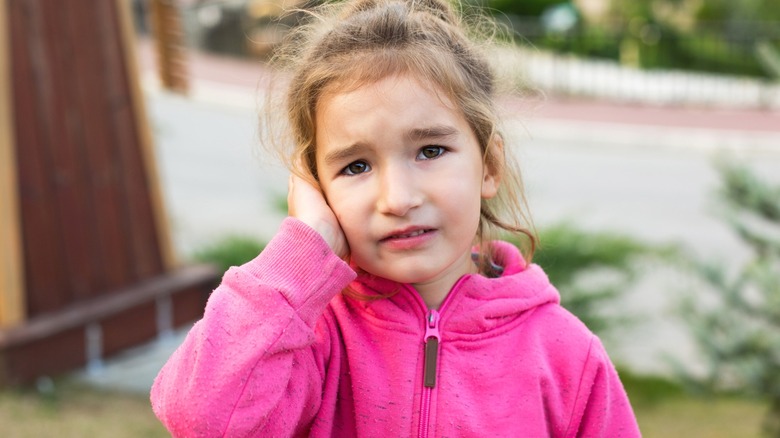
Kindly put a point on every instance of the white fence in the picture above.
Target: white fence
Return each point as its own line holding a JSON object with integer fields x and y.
{"x": 569, "y": 75}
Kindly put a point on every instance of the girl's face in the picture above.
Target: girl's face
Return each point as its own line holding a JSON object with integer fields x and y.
{"x": 403, "y": 172}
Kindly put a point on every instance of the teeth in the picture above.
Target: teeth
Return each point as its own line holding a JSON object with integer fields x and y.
{"x": 412, "y": 234}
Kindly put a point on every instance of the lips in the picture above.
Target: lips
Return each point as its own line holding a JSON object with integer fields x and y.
{"x": 407, "y": 233}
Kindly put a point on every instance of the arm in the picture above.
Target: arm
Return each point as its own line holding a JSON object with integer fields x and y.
{"x": 254, "y": 362}
{"x": 602, "y": 408}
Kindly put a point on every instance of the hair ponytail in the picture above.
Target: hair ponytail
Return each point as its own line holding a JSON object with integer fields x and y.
{"x": 437, "y": 8}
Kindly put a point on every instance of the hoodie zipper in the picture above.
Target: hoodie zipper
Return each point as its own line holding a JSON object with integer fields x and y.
{"x": 431, "y": 342}
{"x": 431, "y": 353}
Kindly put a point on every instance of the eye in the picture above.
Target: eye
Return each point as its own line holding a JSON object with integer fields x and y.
{"x": 430, "y": 152}
{"x": 356, "y": 168}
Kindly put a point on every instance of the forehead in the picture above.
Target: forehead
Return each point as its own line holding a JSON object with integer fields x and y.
{"x": 401, "y": 97}
{"x": 393, "y": 111}
{"x": 389, "y": 82}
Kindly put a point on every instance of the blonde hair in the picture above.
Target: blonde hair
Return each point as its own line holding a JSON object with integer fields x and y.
{"x": 364, "y": 41}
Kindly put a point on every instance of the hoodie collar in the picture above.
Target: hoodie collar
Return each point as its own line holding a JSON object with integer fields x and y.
{"x": 476, "y": 305}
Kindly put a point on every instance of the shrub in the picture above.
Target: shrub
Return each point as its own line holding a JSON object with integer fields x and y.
{"x": 736, "y": 321}
{"x": 230, "y": 251}
{"x": 590, "y": 269}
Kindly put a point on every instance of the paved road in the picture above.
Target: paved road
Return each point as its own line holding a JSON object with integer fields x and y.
{"x": 214, "y": 176}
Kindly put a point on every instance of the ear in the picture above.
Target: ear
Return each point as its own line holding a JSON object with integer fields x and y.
{"x": 492, "y": 167}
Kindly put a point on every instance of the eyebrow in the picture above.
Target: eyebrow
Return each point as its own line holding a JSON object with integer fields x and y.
{"x": 432, "y": 132}
{"x": 344, "y": 153}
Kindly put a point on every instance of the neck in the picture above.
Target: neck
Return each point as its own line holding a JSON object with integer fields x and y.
{"x": 434, "y": 292}
{"x": 432, "y": 299}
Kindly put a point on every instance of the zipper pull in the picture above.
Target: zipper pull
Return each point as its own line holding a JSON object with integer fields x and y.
{"x": 432, "y": 339}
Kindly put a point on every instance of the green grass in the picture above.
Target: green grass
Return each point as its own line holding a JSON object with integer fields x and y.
{"x": 664, "y": 409}
{"x": 689, "y": 417}
{"x": 77, "y": 411}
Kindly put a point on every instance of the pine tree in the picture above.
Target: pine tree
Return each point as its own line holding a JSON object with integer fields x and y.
{"x": 737, "y": 323}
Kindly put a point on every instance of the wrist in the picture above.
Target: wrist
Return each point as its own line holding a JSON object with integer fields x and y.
{"x": 326, "y": 231}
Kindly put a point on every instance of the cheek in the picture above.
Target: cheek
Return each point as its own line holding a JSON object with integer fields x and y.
{"x": 465, "y": 183}
{"x": 465, "y": 198}
{"x": 353, "y": 226}
{"x": 346, "y": 208}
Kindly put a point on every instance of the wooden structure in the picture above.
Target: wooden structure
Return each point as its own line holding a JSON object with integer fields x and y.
{"x": 169, "y": 38}
{"x": 86, "y": 267}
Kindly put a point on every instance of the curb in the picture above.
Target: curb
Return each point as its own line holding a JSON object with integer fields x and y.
{"x": 606, "y": 134}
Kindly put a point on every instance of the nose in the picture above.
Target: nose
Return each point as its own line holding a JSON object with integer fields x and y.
{"x": 398, "y": 191}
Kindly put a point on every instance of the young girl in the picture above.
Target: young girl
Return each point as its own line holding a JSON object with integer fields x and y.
{"x": 382, "y": 308}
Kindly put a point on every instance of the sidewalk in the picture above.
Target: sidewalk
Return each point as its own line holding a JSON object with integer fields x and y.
{"x": 233, "y": 74}
{"x": 639, "y": 170}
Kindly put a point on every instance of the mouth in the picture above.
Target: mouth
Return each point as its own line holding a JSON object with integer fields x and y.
{"x": 407, "y": 233}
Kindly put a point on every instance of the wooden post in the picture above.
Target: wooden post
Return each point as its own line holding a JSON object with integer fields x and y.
{"x": 168, "y": 35}
{"x": 12, "y": 301}
{"x": 145, "y": 136}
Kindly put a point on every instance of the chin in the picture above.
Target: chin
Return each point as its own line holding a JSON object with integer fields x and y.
{"x": 407, "y": 277}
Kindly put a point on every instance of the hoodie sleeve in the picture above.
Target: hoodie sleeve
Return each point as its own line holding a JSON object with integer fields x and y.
{"x": 602, "y": 408}
{"x": 254, "y": 362}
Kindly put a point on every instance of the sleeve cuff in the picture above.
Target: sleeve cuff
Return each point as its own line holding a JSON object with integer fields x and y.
{"x": 301, "y": 266}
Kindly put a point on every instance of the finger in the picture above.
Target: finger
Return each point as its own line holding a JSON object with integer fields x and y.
{"x": 304, "y": 197}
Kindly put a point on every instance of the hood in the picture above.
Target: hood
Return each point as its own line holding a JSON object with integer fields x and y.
{"x": 476, "y": 306}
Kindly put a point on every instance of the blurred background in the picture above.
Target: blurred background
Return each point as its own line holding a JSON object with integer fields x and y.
{"x": 648, "y": 133}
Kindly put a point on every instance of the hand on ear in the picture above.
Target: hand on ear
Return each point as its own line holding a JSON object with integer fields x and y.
{"x": 306, "y": 202}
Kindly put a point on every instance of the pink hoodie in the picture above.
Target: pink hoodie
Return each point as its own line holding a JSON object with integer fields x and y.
{"x": 280, "y": 352}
